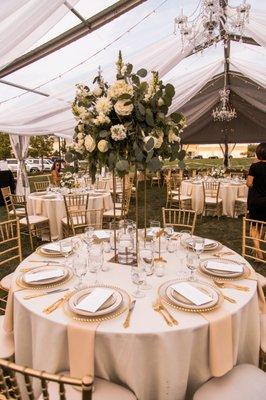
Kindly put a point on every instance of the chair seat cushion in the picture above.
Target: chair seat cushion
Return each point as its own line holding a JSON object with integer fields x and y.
{"x": 76, "y": 220}
{"x": 7, "y": 347}
{"x": 104, "y": 390}
{"x": 110, "y": 213}
{"x": 263, "y": 332}
{"x": 243, "y": 382}
{"x": 241, "y": 200}
{"x": 182, "y": 198}
{"x": 212, "y": 200}
{"x": 19, "y": 211}
{"x": 6, "y": 281}
{"x": 34, "y": 219}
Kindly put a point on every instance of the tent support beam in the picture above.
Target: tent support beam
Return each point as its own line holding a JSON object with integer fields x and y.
{"x": 23, "y": 88}
{"x": 84, "y": 28}
{"x": 244, "y": 39}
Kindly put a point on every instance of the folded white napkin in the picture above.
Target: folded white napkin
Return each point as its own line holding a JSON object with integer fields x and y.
{"x": 41, "y": 275}
{"x": 54, "y": 247}
{"x": 191, "y": 293}
{"x": 222, "y": 266}
{"x": 94, "y": 300}
{"x": 207, "y": 242}
{"x": 102, "y": 234}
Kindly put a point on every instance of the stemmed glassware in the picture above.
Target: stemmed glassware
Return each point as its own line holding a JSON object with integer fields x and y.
{"x": 192, "y": 263}
{"x": 146, "y": 263}
{"x": 185, "y": 237}
{"x": 198, "y": 246}
{"x": 88, "y": 235}
{"x": 66, "y": 248}
{"x": 138, "y": 276}
{"x": 95, "y": 260}
{"x": 80, "y": 270}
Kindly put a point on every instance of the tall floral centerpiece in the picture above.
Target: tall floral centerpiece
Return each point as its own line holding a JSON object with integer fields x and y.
{"x": 127, "y": 123}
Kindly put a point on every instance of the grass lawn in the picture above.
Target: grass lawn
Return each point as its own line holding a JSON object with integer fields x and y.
{"x": 235, "y": 163}
{"x": 226, "y": 230}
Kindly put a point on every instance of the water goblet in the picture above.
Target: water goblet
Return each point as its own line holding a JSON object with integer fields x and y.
{"x": 95, "y": 260}
{"x": 198, "y": 246}
{"x": 159, "y": 269}
{"x": 138, "y": 276}
{"x": 146, "y": 263}
{"x": 192, "y": 262}
{"x": 80, "y": 270}
{"x": 66, "y": 248}
{"x": 171, "y": 245}
{"x": 185, "y": 238}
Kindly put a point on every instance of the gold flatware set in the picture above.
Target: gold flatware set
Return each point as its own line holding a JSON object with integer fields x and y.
{"x": 160, "y": 308}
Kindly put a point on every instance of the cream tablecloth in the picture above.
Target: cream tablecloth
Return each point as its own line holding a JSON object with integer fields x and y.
{"x": 228, "y": 193}
{"x": 54, "y": 208}
{"x": 155, "y": 361}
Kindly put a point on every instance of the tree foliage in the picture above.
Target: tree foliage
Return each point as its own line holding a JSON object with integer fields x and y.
{"x": 41, "y": 146}
{"x": 5, "y": 146}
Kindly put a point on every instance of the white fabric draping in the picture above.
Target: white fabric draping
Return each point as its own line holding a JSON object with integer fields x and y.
{"x": 23, "y": 23}
{"x": 20, "y": 145}
{"x": 256, "y": 26}
{"x": 251, "y": 69}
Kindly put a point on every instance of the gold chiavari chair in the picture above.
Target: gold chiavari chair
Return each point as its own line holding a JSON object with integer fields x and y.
{"x": 240, "y": 207}
{"x": 32, "y": 225}
{"x": 41, "y": 186}
{"x": 121, "y": 208}
{"x": 156, "y": 179}
{"x": 10, "y": 207}
{"x": 79, "y": 220}
{"x": 101, "y": 184}
{"x": 212, "y": 203}
{"x": 254, "y": 240}
{"x": 73, "y": 203}
{"x": 180, "y": 219}
{"x": 55, "y": 386}
{"x": 174, "y": 198}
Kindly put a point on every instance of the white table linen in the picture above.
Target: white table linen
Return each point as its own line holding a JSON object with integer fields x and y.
{"x": 228, "y": 193}
{"x": 54, "y": 208}
{"x": 155, "y": 361}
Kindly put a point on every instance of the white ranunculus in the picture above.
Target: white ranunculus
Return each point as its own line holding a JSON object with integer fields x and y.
{"x": 118, "y": 132}
{"x": 119, "y": 88}
{"x": 80, "y": 127}
{"x": 80, "y": 135}
{"x": 172, "y": 137}
{"x": 97, "y": 91}
{"x": 103, "y": 146}
{"x": 89, "y": 143}
{"x": 101, "y": 119}
{"x": 122, "y": 109}
{"x": 103, "y": 105}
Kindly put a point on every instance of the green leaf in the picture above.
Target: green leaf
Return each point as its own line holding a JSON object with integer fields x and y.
{"x": 149, "y": 156}
{"x": 124, "y": 96}
{"x": 149, "y": 145}
{"x": 181, "y": 155}
{"x": 135, "y": 80}
{"x": 176, "y": 117}
{"x": 69, "y": 157}
{"x": 140, "y": 117}
{"x": 154, "y": 164}
{"x": 169, "y": 90}
{"x": 142, "y": 109}
{"x": 149, "y": 117}
{"x": 129, "y": 69}
{"x": 167, "y": 100}
{"x": 122, "y": 165}
{"x": 142, "y": 72}
{"x": 103, "y": 134}
{"x": 164, "y": 109}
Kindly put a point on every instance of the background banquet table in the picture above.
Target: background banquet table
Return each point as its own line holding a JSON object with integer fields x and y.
{"x": 54, "y": 208}
{"x": 229, "y": 191}
{"x": 155, "y": 361}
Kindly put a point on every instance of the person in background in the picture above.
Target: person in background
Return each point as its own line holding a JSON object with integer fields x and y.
{"x": 256, "y": 182}
{"x": 55, "y": 174}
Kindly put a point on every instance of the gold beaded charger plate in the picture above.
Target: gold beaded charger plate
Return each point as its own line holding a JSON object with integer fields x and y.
{"x": 123, "y": 306}
{"x": 111, "y": 304}
{"x": 44, "y": 283}
{"x": 176, "y": 300}
{"x": 214, "y": 245}
{"x": 229, "y": 275}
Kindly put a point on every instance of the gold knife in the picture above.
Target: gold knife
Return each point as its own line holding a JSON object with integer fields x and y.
{"x": 57, "y": 304}
{"x": 130, "y": 309}
{"x": 32, "y": 296}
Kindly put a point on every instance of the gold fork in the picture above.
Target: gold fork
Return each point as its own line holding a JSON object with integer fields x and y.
{"x": 158, "y": 309}
{"x": 231, "y": 285}
{"x": 162, "y": 307}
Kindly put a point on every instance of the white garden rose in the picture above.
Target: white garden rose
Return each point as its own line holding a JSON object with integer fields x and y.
{"x": 118, "y": 132}
{"x": 89, "y": 143}
{"x": 80, "y": 127}
{"x": 103, "y": 105}
{"x": 97, "y": 91}
{"x": 79, "y": 146}
{"x": 122, "y": 109}
{"x": 119, "y": 88}
{"x": 80, "y": 135}
{"x": 103, "y": 146}
{"x": 172, "y": 137}
{"x": 101, "y": 119}
{"x": 160, "y": 102}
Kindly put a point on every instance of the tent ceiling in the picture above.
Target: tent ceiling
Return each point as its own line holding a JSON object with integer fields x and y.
{"x": 145, "y": 36}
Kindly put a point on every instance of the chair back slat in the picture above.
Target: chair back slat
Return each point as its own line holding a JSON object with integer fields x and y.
{"x": 79, "y": 220}
{"x": 254, "y": 240}
{"x": 211, "y": 189}
{"x": 179, "y": 218}
{"x": 10, "y": 242}
{"x": 7, "y": 196}
{"x": 41, "y": 186}
{"x": 10, "y": 388}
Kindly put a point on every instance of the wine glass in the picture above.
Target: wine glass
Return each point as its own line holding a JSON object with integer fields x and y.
{"x": 138, "y": 276}
{"x": 146, "y": 263}
{"x": 88, "y": 235}
{"x": 185, "y": 238}
{"x": 192, "y": 262}
{"x": 198, "y": 246}
{"x": 80, "y": 270}
{"x": 95, "y": 260}
{"x": 66, "y": 248}
{"x": 76, "y": 243}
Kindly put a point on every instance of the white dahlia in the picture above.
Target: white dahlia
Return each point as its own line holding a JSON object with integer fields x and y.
{"x": 122, "y": 109}
{"x": 118, "y": 132}
{"x": 101, "y": 119}
{"x": 103, "y": 105}
{"x": 89, "y": 143}
{"x": 119, "y": 88}
{"x": 97, "y": 91}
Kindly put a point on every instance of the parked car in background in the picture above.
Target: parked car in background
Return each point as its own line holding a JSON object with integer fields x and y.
{"x": 12, "y": 164}
{"x": 213, "y": 158}
{"x": 198, "y": 157}
{"x": 35, "y": 164}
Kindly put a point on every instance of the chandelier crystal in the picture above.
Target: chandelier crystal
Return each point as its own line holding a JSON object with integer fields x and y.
{"x": 206, "y": 26}
{"x": 224, "y": 113}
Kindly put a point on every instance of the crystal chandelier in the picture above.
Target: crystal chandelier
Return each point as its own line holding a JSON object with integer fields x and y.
{"x": 209, "y": 21}
{"x": 224, "y": 113}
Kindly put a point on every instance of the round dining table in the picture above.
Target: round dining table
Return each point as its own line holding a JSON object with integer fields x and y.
{"x": 52, "y": 205}
{"x": 229, "y": 191}
{"x": 154, "y": 360}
